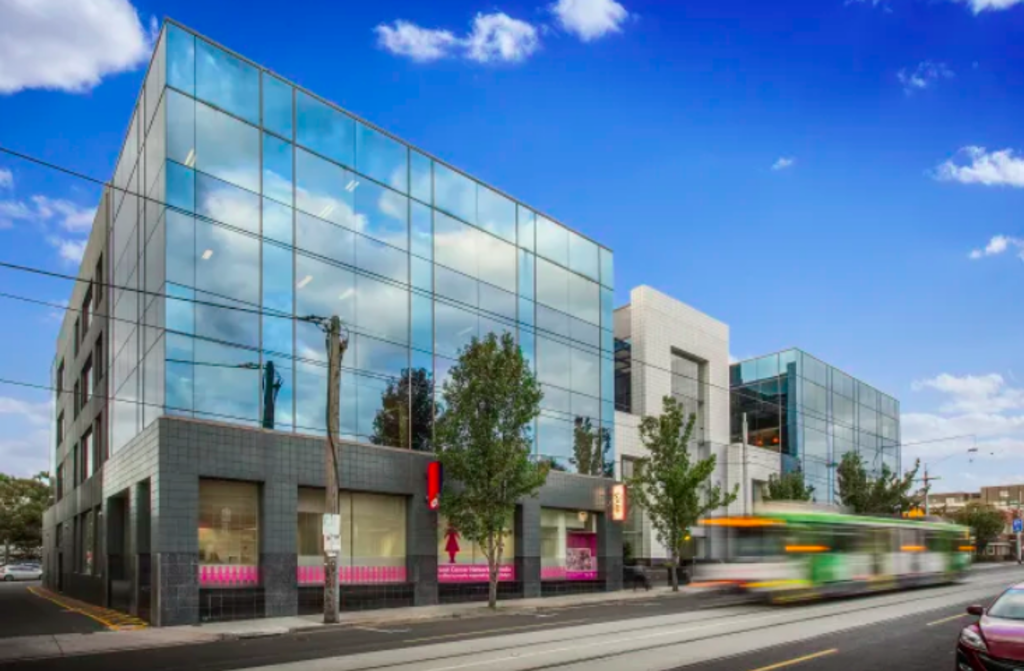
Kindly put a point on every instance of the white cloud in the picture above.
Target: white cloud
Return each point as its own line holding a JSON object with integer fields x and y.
{"x": 493, "y": 37}
{"x": 71, "y": 217}
{"x": 974, "y": 393}
{"x": 923, "y": 76}
{"x": 997, "y": 245}
{"x": 68, "y": 45}
{"x": 590, "y": 19}
{"x": 69, "y": 250}
{"x": 783, "y": 163}
{"x": 37, "y": 414}
{"x": 996, "y": 168}
{"x": 420, "y": 44}
{"x": 6, "y": 179}
{"x": 499, "y": 37}
{"x": 979, "y": 6}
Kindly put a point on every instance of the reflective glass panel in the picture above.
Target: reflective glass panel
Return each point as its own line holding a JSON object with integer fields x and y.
{"x": 583, "y": 256}
{"x": 768, "y": 366}
{"x": 321, "y": 289}
{"x": 421, "y": 237}
{"x": 454, "y": 328}
{"x": 181, "y": 187}
{"x": 496, "y": 213}
{"x": 422, "y": 183}
{"x": 552, "y": 322}
{"x": 277, "y": 221}
{"x": 382, "y": 214}
{"x": 181, "y": 246}
{"x": 324, "y": 239}
{"x": 227, "y": 204}
{"x": 527, "y": 227}
{"x": 607, "y": 268}
{"x": 181, "y": 59}
{"x": 526, "y": 274}
{"x": 422, "y": 273}
{"x": 552, "y": 241}
{"x": 181, "y": 128}
{"x": 227, "y": 263}
{"x": 607, "y": 309}
{"x": 585, "y": 371}
{"x": 227, "y": 148}
{"x": 382, "y": 260}
{"x": 553, "y": 362}
{"x": 552, "y": 285}
{"x": 320, "y": 189}
{"x": 277, "y": 106}
{"x": 526, "y": 312}
{"x": 277, "y": 169}
{"x": 382, "y": 158}
{"x": 310, "y": 397}
{"x": 455, "y": 244}
{"x": 227, "y": 82}
{"x": 454, "y": 193}
{"x": 497, "y": 261}
{"x": 422, "y": 322}
{"x": 225, "y": 390}
{"x": 495, "y": 303}
{"x": 584, "y": 299}
{"x": 324, "y": 129}
{"x": 382, "y": 309}
{"x": 456, "y": 287}
{"x": 528, "y": 345}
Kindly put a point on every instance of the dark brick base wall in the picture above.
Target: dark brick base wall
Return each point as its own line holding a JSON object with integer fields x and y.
{"x": 564, "y": 587}
{"x": 357, "y": 597}
{"x": 220, "y": 605}
{"x": 466, "y": 592}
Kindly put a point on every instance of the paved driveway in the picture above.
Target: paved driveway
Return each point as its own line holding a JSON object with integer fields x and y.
{"x": 23, "y": 613}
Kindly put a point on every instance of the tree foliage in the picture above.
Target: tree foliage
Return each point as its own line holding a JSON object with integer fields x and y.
{"x": 887, "y": 494}
{"x": 986, "y": 521}
{"x": 22, "y": 502}
{"x": 592, "y": 449}
{"x": 788, "y": 487}
{"x": 406, "y": 414}
{"x": 484, "y": 443}
{"x": 672, "y": 487}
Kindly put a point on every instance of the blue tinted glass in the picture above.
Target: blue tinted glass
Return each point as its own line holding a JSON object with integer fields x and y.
{"x": 382, "y": 214}
{"x": 455, "y": 244}
{"x": 382, "y": 158}
{"x": 422, "y": 322}
{"x": 607, "y": 379}
{"x": 381, "y": 260}
{"x": 526, "y": 274}
{"x": 553, "y": 365}
{"x": 181, "y": 317}
{"x": 228, "y": 264}
{"x": 421, "y": 185}
{"x": 227, "y": 82}
{"x": 181, "y": 59}
{"x": 607, "y": 308}
{"x": 495, "y": 303}
{"x": 321, "y": 289}
{"x": 607, "y": 341}
{"x": 554, "y": 439}
{"x": 421, "y": 237}
{"x": 181, "y": 248}
{"x": 586, "y": 406}
{"x": 456, "y": 287}
{"x": 382, "y": 309}
{"x": 310, "y": 397}
{"x": 552, "y": 285}
{"x": 496, "y": 213}
{"x": 181, "y": 187}
{"x": 526, "y": 312}
{"x": 277, "y": 169}
{"x": 227, "y": 148}
{"x": 225, "y": 388}
{"x": 179, "y": 391}
{"x": 584, "y": 333}
{"x": 454, "y": 328}
{"x": 321, "y": 189}
{"x": 558, "y": 401}
{"x": 552, "y": 322}
{"x": 586, "y": 371}
{"x": 552, "y": 241}
{"x": 227, "y": 204}
{"x": 181, "y": 128}
{"x": 607, "y": 268}
{"x": 528, "y": 345}
{"x": 584, "y": 299}
{"x": 277, "y": 221}
{"x": 497, "y": 261}
{"x": 454, "y": 193}
{"x": 527, "y": 227}
{"x": 278, "y": 282}
{"x": 324, "y": 239}
{"x": 277, "y": 106}
{"x": 382, "y": 358}
{"x": 422, "y": 273}
{"x": 324, "y": 129}
{"x": 767, "y": 366}
{"x": 583, "y": 256}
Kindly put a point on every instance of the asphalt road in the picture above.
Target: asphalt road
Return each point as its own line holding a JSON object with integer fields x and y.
{"x": 25, "y": 614}
{"x": 881, "y": 632}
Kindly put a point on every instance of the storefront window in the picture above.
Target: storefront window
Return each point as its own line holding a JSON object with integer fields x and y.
{"x": 461, "y": 560}
{"x": 372, "y": 537}
{"x": 228, "y": 533}
{"x": 568, "y": 545}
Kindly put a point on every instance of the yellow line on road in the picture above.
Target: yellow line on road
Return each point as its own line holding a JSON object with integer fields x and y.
{"x": 110, "y": 619}
{"x": 946, "y": 619}
{"x": 798, "y": 660}
{"x": 491, "y": 631}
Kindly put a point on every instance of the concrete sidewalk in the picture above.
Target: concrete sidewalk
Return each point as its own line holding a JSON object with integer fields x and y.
{"x": 69, "y": 645}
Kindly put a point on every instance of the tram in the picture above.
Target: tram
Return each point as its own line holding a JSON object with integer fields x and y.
{"x": 788, "y": 552}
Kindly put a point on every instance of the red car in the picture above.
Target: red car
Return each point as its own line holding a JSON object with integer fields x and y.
{"x": 996, "y": 641}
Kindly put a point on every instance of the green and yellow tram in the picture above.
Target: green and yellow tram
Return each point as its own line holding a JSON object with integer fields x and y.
{"x": 792, "y": 551}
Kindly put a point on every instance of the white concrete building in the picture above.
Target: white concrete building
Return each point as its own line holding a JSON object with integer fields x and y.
{"x": 665, "y": 347}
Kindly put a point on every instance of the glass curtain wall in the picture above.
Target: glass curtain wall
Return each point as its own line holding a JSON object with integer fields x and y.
{"x": 266, "y": 205}
{"x": 813, "y": 414}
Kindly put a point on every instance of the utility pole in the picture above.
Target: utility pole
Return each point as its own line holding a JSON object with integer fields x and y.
{"x": 927, "y": 479}
{"x": 336, "y": 346}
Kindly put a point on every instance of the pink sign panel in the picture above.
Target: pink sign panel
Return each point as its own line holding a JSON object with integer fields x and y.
{"x": 227, "y": 575}
{"x": 355, "y": 575}
{"x": 580, "y": 559}
{"x": 561, "y": 573}
{"x": 473, "y": 573}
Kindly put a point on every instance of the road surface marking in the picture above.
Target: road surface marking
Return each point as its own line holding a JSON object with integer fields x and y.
{"x": 798, "y": 660}
{"x": 110, "y": 619}
{"x": 382, "y": 631}
{"x": 946, "y": 619}
{"x": 491, "y": 631}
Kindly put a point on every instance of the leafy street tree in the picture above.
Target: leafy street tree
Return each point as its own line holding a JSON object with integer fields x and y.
{"x": 984, "y": 520}
{"x": 406, "y": 404}
{"x": 592, "y": 449}
{"x": 887, "y": 494}
{"x": 483, "y": 441}
{"x": 788, "y": 487}
{"x": 22, "y": 502}
{"x": 672, "y": 487}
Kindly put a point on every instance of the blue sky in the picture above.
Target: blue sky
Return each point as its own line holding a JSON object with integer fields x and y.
{"x": 814, "y": 173}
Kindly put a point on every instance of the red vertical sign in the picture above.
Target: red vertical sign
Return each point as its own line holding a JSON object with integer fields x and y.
{"x": 435, "y": 482}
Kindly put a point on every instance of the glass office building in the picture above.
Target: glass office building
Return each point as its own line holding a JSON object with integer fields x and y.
{"x": 812, "y": 414}
{"x": 260, "y": 204}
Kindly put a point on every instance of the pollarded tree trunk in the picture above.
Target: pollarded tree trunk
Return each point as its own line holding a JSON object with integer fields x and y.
{"x": 493, "y": 566}
{"x": 674, "y": 569}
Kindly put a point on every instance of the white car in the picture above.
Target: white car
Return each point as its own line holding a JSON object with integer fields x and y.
{"x": 13, "y": 572}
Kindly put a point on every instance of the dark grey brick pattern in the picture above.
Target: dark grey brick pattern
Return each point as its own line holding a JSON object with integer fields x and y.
{"x": 278, "y": 545}
{"x": 527, "y": 560}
